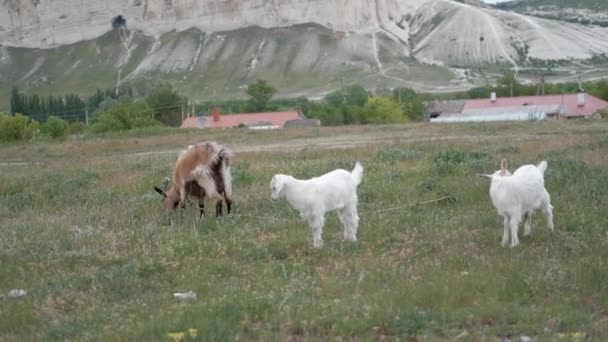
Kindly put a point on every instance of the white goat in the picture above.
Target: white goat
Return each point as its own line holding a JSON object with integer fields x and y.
{"x": 519, "y": 195}
{"x": 336, "y": 190}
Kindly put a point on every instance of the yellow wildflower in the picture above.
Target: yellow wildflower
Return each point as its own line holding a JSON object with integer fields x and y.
{"x": 192, "y": 332}
{"x": 177, "y": 337}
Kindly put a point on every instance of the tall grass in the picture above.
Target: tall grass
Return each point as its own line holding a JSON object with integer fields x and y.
{"x": 87, "y": 237}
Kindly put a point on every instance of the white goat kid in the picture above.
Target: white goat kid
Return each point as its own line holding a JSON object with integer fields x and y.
{"x": 336, "y": 190}
{"x": 519, "y": 195}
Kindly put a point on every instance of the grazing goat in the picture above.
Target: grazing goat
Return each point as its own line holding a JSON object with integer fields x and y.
{"x": 201, "y": 170}
{"x": 336, "y": 190}
{"x": 519, "y": 195}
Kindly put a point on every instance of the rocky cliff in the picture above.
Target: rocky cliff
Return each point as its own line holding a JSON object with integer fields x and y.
{"x": 217, "y": 46}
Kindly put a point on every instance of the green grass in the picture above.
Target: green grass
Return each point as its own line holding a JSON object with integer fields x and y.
{"x": 83, "y": 231}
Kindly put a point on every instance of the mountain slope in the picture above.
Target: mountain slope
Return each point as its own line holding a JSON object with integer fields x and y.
{"x": 303, "y": 47}
{"x": 578, "y": 11}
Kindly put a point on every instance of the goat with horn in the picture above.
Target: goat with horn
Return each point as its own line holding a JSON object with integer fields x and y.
{"x": 202, "y": 170}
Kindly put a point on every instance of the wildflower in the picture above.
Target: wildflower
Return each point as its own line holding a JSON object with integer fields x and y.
{"x": 192, "y": 332}
{"x": 177, "y": 337}
{"x": 577, "y": 336}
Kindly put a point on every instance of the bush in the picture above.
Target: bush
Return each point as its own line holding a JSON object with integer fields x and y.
{"x": 413, "y": 108}
{"x": 77, "y": 127}
{"x": 381, "y": 110}
{"x": 167, "y": 105}
{"x": 124, "y": 115}
{"x": 17, "y": 127}
{"x": 342, "y": 115}
{"x": 55, "y": 127}
{"x": 354, "y": 95}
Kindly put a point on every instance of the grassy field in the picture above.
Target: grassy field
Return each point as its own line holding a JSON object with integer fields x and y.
{"x": 84, "y": 233}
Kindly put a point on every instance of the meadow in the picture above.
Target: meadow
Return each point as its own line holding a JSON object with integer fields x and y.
{"x": 82, "y": 230}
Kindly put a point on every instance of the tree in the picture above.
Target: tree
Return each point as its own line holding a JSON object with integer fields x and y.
{"x": 401, "y": 94}
{"x": 17, "y": 105}
{"x": 55, "y": 127}
{"x": 509, "y": 81}
{"x": 124, "y": 115}
{"x": 166, "y": 105}
{"x": 411, "y": 103}
{"x": 354, "y": 95}
{"x": 380, "y": 110}
{"x": 261, "y": 93}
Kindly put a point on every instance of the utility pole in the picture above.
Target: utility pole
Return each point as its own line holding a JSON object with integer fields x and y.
{"x": 540, "y": 89}
{"x": 86, "y": 114}
{"x": 182, "y": 105}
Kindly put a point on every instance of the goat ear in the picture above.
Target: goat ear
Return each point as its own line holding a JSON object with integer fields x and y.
{"x": 504, "y": 165}
{"x": 160, "y": 191}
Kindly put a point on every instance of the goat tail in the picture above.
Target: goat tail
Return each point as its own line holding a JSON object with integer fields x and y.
{"x": 357, "y": 173}
{"x": 227, "y": 177}
{"x": 542, "y": 166}
{"x": 224, "y": 158}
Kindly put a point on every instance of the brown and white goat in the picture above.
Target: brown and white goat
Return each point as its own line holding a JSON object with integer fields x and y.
{"x": 203, "y": 170}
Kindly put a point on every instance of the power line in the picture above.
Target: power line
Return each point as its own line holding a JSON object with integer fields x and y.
{"x": 81, "y": 112}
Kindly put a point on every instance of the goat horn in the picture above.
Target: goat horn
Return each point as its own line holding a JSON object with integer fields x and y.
{"x": 160, "y": 191}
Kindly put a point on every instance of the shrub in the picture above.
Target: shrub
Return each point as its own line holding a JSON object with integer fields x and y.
{"x": 413, "y": 108}
{"x": 167, "y": 104}
{"x": 380, "y": 110}
{"x": 77, "y": 127}
{"x": 55, "y": 127}
{"x": 124, "y": 115}
{"x": 354, "y": 95}
{"x": 17, "y": 127}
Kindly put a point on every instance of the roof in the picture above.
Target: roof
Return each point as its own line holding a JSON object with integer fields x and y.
{"x": 248, "y": 119}
{"x": 519, "y": 113}
{"x": 194, "y": 122}
{"x": 439, "y": 107}
{"x": 569, "y": 101}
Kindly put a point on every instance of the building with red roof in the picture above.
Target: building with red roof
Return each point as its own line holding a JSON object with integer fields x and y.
{"x": 520, "y": 108}
{"x": 267, "y": 120}
{"x": 574, "y": 105}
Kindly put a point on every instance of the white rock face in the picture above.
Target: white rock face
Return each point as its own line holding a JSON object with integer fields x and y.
{"x": 437, "y": 31}
{"x": 48, "y": 23}
{"x": 468, "y": 35}
{"x": 212, "y": 48}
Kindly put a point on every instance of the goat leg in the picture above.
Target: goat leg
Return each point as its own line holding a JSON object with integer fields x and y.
{"x": 218, "y": 209}
{"x": 201, "y": 209}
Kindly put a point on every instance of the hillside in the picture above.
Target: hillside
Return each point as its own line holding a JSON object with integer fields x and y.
{"x": 583, "y": 4}
{"x": 213, "y": 49}
{"x": 578, "y": 11}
